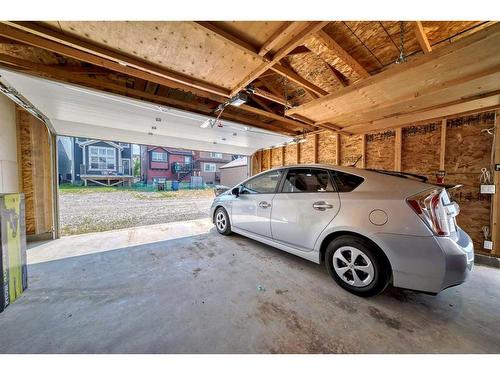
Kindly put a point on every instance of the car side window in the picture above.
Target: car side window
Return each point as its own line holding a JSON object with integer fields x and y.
{"x": 346, "y": 182}
{"x": 307, "y": 180}
{"x": 263, "y": 184}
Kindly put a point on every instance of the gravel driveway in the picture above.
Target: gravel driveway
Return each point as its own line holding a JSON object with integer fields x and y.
{"x": 100, "y": 211}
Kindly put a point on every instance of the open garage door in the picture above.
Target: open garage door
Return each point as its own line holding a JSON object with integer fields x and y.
{"x": 82, "y": 112}
{"x": 104, "y": 136}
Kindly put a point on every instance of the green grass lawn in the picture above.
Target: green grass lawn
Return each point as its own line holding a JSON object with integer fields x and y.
{"x": 75, "y": 189}
{"x": 137, "y": 192}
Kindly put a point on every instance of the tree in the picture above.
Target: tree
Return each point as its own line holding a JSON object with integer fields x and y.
{"x": 137, "y": 167}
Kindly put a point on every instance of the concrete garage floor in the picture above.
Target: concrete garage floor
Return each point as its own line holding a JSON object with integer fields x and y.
{"x": 182, "y": 288}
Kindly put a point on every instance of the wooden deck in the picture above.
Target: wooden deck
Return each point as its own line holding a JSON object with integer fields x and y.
{"x": 107, "y": 180}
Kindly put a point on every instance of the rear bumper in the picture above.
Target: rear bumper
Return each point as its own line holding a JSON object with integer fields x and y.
{"x": 429, "y": 264}
{"x": 459, "y": 259}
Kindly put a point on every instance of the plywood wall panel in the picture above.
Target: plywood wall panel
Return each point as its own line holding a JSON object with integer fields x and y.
{"x": 380, "y": 150}
{"x": 307, "y": 151}
{"x": 266, "y": 157}
{"x": 468, "y": 149}
{"x": 327, "y": 146}
{"x": 350, "y": 149}
{"x": 420, "y": 149}
{"x": 291, "y": 154}
{"x": 276, "y": 157}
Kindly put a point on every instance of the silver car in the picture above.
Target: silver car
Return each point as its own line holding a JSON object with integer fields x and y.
{"x": 370, "y": 228}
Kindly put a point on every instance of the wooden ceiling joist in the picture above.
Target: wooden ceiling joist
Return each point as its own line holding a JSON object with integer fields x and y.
{"x": 297, "y": 40}
{"x": 41, "y": 37}
{"x": 341, "y": 53}
{"x": 277, "y": 36}
{"x": 55, "y": 73}
{"x": 261, "y": 103}
{"x": 237, "y": 42}
{"x": 294, "y": 77}
{"x": 456, "y": 110}
{"x": 70, "y": 51}
{"x": 298, "y": 50}
{"x": 461, "y": 71}
{"x": 168, "y": 57}
{"x": 270, "y": 96}
{"x": 422, "y": 38}
{"x": 275, "y": 116}
{"x": 337, "y": 76}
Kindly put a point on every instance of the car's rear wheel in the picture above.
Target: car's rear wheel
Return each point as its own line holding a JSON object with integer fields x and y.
{"x": 357, "y": 266}
{"x": 222, "y": 221}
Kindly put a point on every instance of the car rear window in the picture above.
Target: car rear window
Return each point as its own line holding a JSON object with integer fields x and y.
{"x": 346, "y": 182}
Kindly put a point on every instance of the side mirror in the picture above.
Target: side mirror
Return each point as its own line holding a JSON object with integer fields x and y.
{"x": 236, "y": 191}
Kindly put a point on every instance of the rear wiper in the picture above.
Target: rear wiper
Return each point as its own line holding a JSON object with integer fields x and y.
{"x": 401, "y": 174}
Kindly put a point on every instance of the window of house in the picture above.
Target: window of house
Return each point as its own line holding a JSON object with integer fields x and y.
{"x": 209, "y": 167}
{"x": 187, "y": 159}
{"x": 216, "y": 155}
{"x": 102, "y": 158}
{"x": 159, "y": 157}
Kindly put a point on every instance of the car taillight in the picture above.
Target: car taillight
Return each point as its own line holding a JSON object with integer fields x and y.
{"x": 430, "y": 208}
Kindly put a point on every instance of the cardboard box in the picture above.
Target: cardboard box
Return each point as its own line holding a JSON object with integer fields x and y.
{"x": 13, "y": 270}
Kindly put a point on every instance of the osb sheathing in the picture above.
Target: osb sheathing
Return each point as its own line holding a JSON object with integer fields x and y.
{"x": 327, "y": 146}
{"x": 266, "y": 154}
{"x": 276, "y": 157}
{"x": 350, "y": 149}
{"x": 420, "y": 149}
{"x": 467, "y": 151}
{"x": 291, "y": 154}
{"x": 376, "y": 44}
{"x": 307, "y": 151}
{"x": 285, "y": 88}
{"x": 316, "y": 45}
{"x": 380, "y": 150}
{"x": 315, "y": 70}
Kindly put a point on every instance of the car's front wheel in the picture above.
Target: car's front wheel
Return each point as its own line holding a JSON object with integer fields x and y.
{"x": 221, "y": 220}
{"x": 356, "y": 266}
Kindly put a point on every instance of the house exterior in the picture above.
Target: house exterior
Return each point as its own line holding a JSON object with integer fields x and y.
{"x": 210, "y": 163}
{"x": 166, "y": 164}
{"x": 101, "y": 162}
{"x": 234, "y": 172}
{"x": 64, "y": 159}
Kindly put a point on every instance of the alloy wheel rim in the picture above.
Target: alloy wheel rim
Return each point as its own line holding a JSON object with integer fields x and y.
{"x": 220, "y": 221}
{"x": 353, "y": 266}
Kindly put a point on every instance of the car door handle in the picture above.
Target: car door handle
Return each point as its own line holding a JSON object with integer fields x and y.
{"x": 264, "y": 204}
{"x": 322, "y": 205}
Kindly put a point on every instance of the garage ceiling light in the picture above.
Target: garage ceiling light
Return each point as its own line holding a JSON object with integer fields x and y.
{"x": 238, "y": 99}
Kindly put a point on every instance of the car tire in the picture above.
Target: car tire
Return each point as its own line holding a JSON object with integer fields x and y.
{"x": 357, "y": 266}
{"x": 221, "y": 221}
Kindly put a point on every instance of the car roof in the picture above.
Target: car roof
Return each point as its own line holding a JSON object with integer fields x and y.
{"x": 352, "y": 170}
{"x": 374, "y": 181}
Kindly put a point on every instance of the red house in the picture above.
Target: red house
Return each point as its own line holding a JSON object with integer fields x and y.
{"x": 166, "y": 163}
